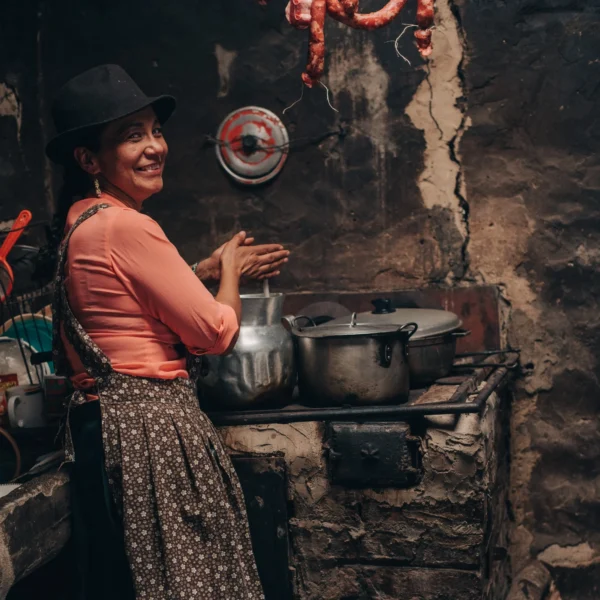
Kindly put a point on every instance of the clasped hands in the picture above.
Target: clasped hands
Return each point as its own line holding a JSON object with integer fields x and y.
{"x": 253, "y": 262}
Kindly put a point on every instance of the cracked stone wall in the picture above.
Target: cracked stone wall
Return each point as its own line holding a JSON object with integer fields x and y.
{"x": 480, "y": 166}
{"x": 530, "y": 163}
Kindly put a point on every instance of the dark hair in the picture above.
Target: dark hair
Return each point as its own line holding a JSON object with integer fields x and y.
{"x": 76, "y": 184}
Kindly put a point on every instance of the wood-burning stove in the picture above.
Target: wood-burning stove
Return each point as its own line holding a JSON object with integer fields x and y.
{"x": 388, "y": 502}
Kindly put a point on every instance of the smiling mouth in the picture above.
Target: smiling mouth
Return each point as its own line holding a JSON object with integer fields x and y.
{"x": 153, "y": 168}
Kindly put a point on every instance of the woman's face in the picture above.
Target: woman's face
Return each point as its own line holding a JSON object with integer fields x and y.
{"x": 132, "y": 155}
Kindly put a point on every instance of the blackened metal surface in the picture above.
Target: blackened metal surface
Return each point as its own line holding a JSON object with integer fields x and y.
{"x": 360, "y": 413}
{"x": 264, "y": 483}
{"x": 373, "y": 455}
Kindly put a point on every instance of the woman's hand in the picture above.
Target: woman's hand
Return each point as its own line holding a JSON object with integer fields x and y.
{"x": 264, "y": 261}
{"x": 252, "y": 262}
{"x": 238, "y": 259}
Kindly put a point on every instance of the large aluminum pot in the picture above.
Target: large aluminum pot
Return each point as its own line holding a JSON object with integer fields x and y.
{"x": 432, "y": 349}
{"x": 352, "y": 364}
{"x": 261, "y": 367}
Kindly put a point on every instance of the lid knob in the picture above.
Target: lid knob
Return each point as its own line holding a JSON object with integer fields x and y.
{"x": 249, "y": 144}
{"x": 382, "y": 306}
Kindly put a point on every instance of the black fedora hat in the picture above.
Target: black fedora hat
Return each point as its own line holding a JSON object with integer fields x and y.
{"x": 96, "y": 97}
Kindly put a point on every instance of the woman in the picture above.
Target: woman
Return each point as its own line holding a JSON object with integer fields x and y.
{"x": 158, "y": 510}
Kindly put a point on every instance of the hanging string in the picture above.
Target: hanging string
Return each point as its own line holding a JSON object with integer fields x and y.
{"x": 302, "y": 95}
{"x": 396, "y": 42}
{"x": 294, "y": 103}
{"x": 328, "y": 101}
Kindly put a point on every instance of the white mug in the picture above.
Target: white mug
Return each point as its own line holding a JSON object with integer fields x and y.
{"x": 25, "y": 406}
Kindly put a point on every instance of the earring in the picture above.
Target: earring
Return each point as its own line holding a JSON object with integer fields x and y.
{"x": 97, "y": 187}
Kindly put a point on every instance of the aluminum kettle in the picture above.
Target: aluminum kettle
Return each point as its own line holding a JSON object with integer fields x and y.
{"x": 261, "y": 368}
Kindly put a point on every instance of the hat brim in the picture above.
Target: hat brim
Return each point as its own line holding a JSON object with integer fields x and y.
{"x": 60, "y": 148}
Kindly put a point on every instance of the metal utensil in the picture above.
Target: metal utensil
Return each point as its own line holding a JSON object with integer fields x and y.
{"x": 261, "y": 367}
{"x": 6, "y": 273}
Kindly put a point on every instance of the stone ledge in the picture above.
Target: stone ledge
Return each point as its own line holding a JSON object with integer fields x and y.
{"x": 34, "y": 526}
{"x": 390, "y": 583}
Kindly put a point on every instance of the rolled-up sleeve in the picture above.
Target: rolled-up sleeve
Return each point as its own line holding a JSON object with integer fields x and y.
{"x": 153, "y": 271}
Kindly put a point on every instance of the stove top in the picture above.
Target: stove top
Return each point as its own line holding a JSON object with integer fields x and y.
{"x": 473, "y": 379}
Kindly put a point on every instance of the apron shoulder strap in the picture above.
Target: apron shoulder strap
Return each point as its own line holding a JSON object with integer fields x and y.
{"x": 93, "y": 359}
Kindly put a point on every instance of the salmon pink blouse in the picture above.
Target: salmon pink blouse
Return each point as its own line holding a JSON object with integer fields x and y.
{"x": 136, "y": 297}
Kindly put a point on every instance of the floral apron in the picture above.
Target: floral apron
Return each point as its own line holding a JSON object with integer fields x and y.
{"x": 184, "y": 518}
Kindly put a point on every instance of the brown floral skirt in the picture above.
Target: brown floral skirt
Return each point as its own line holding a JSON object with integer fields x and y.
{"x": 183, "y": 516}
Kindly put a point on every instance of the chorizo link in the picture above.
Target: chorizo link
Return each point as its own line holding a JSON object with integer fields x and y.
{"x": 350, "y": 6}
{"x": 425, "y": 22}
{"x": 316, "y": 43}
{"x": 367, "y": 21}
{"x": 297, "y": 13}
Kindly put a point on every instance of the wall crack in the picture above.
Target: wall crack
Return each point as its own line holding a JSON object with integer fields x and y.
{"x": 438, "y": 108}
{"x": 453, "y": 145}
{"x": 428, "y": 80}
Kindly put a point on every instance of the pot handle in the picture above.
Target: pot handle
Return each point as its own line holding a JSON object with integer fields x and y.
{"x": 289, "y": 321}
{"x": 461, "y": 333}
{"x": 385, "y": 356}
{"x": 410, "y": 328}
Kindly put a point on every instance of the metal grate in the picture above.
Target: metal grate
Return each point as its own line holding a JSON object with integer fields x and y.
{"x": 469, "y": 397}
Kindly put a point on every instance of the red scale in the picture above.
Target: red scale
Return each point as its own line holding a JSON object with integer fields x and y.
{"x": 253, "y": 145}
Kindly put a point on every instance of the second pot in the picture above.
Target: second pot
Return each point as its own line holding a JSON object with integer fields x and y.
{"x": 432, "y": 350}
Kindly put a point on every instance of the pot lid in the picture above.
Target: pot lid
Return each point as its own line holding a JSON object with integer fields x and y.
{"x": 351, "y": 328}
{"x": 326, "y": 309}
{"x": 431, "y": 322}
{"x": 253, "y": 145}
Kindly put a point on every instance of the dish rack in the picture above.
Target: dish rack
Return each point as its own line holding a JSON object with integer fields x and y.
{"x": 25, "y": 360}
{"x": 26, "y": 325}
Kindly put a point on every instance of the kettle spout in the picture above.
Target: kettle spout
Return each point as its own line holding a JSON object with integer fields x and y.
{"x": 288, "y": 322}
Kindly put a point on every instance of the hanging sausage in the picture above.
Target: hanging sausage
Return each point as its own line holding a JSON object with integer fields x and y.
{"x": 310, "y": 14}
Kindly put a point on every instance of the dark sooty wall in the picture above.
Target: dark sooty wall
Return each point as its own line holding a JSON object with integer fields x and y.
{"x": 480, "y": 166}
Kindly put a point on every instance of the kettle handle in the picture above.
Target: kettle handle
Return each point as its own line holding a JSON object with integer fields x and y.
{"x": 289, "y": 321}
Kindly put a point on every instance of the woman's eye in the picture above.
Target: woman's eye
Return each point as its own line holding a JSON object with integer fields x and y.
{"x": 157, "y": 131}
{"x": 136, "y": 135}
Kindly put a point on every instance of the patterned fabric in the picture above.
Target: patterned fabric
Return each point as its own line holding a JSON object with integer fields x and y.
{"x": 185, "y": 523}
